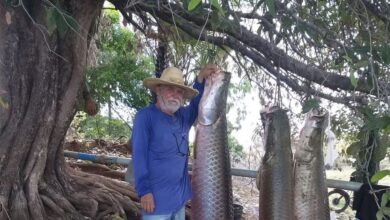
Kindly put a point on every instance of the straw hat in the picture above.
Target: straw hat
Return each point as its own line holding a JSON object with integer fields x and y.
{"x": 174, "y": 77}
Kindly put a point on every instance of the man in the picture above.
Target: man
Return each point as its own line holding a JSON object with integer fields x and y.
{"x": 160, "y": 144}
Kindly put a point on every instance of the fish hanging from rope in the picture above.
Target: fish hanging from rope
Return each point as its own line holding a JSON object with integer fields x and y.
{"x": 310, "y": 190}
{"x": 275, "y": 177}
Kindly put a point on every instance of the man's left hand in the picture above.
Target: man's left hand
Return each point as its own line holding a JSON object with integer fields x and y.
{"x": 207, "y": 70}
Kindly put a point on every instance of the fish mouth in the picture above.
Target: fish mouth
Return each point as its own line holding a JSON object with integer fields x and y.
{"x": 213, "y": 102}
{"x": 319, "y": 117}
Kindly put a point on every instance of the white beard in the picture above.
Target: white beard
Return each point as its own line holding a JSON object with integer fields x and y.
{"x": 169, "y": 105}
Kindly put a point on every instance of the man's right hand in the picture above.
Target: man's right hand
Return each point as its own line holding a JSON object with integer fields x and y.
{"x": 147, "y": 202}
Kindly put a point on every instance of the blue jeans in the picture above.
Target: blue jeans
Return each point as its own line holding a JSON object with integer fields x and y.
{"x": 179, "y": 215}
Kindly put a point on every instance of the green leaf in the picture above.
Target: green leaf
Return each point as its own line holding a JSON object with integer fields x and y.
{"x": 287, "y": 22}
{"x": 379, "y": 215}
{"x": 379, "y": 153}
{"x": 380, "y": 150}
{"x": 309, "y": 105}
{"x": 193, "y": 3}
{"x": 380, "y": 175}
{"x": 271, "y": 7}
{"x": 217, "y": 5}
{"x": 385, "y": 198}
{"x": 362, "y": 63}
{"x": 354, "y": 148}
{"x": 353, "y": 79}
{"x": 347, "y": 58}
{"x": 386, "y": 210}
{"x": 215, "y": 20}
{"x": 385, "y": 54}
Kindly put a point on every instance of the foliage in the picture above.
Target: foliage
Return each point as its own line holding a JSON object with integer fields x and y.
{"x": 193, "y": 4}
{"x": 380, "y": 175}
{"x": 100, "y": 127}
{"x": 310, "y": 104}
{"x": 346, "y": 124}
{"x": 120, "y": 71}
{"x": 371, "y": 143}
{"x": 235, "y": 148}
{"x": 384, "y": 210}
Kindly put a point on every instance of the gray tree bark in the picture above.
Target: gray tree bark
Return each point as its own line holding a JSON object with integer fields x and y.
{"x": 41, "y": 75}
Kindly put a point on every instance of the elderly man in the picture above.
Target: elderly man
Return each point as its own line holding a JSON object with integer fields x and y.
{"x": 160, "y": 144}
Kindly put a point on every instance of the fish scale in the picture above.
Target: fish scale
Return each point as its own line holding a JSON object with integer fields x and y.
{"x": 276, "y": 169}
{"x": 211, "y": 183}
{"x": 311, "y": 198}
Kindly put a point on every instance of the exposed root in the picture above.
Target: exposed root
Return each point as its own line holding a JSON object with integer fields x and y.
{"x": 109, "y": 197}
{"x": 91, "y": 196}
{"x": 99, "y": 169}
{"x": 52, "y": 205}
{"x": 3, "y": 212}
{"x": 105, "y": 213}
{"x": 89, "y": 205}
{"x": 60, "y": 202}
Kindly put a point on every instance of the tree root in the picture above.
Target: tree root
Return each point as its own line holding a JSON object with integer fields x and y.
{"x": 98, "y": 169}
{"x": 91, "y": 196}
{"x": 124, "y": 189}
{"x": 111, "y": 196}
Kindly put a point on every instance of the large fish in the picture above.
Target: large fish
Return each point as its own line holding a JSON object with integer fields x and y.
{"x": 212, "y": 184}
{"x": 311, "y": 195}
{"x": 276, "y": 170}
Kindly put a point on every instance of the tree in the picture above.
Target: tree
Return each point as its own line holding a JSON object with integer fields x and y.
{"x": 338, "y": 50}
{"x": 100, "y": 127}
{"x": 119, "y": 69}
{"x": 43, "y": 63}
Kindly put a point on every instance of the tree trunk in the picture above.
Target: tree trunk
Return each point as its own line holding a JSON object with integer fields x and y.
{"x": 42, "y": 69}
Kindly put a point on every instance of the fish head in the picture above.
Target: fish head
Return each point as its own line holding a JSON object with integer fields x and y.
{"x": 311, "y": 134}
{"x": 276, "y": 129}
{"x": 317, "y": 118}
{"x": 213, "y": 102}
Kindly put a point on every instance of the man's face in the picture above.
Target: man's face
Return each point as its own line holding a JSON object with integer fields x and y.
{"x": 170, "y": 98}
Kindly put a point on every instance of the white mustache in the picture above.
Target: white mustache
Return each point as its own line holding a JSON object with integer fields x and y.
{"x": 173, "y": 101}
{"x": 170, "y": 104}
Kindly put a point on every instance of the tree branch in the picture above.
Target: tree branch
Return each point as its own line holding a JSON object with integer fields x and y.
{"x": 375, "y": 9}
{"x": 195, "y": 31}
{"x": 276, "y": 55}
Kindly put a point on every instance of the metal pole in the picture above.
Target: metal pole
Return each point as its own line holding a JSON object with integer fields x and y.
{"x": 340, "y": 184}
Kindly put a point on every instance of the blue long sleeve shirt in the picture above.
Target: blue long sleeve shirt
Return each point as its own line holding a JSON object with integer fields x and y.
{"x": 160, "y": 154}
